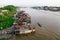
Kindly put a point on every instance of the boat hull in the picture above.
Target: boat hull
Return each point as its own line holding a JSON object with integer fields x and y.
{"x": 26, "y": 31}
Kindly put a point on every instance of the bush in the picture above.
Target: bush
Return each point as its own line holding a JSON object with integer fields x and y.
{"x": 10, "y": 8}
{"x": 3, "y": 39}
{"x": 6, "y": 20}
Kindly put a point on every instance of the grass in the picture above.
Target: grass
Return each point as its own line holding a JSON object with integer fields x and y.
{"x": 6, "y": 21}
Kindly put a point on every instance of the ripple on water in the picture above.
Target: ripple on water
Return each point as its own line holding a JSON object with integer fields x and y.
{"x": 40, "y": 34}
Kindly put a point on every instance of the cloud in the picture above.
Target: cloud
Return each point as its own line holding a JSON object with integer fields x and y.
{"x": 30, "y": 2}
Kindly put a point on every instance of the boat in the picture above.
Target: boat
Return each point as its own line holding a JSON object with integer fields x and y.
{"x": 24, "y": 31}
{"x": 22, "y": 24}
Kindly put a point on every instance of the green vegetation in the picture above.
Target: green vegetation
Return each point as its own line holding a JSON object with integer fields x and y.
{"x": 3, "y": 39}
{"x": 10, "y": 8}
{"x": 6, "y": 19}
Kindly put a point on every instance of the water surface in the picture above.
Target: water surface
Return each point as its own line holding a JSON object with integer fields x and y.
{"x": 50, "y": 22}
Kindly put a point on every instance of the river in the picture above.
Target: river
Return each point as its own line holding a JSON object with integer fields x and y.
{"x": 50, "y": 22}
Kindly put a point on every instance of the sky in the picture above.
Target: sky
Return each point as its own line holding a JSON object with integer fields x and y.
{"x": 30, "y": 2}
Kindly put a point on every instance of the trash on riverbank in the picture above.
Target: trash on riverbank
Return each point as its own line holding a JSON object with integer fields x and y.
{"x": 22, "y": 24}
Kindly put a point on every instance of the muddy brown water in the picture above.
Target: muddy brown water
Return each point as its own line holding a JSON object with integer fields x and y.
{"x": 50, "y": 22}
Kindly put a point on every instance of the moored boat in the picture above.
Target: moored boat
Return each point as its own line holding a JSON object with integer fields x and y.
{"x": 22, "y": 24}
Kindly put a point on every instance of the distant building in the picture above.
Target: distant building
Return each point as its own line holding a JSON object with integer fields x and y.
{"x": 4, "y": 10}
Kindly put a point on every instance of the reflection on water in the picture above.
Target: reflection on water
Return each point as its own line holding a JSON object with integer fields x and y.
{"x": 50, "y": 22}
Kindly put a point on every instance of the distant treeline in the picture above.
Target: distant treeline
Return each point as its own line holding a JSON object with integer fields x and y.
{"x": 47, "y": 8}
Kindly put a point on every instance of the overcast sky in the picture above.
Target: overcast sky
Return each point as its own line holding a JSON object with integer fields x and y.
{"x": 30, "y": 2}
